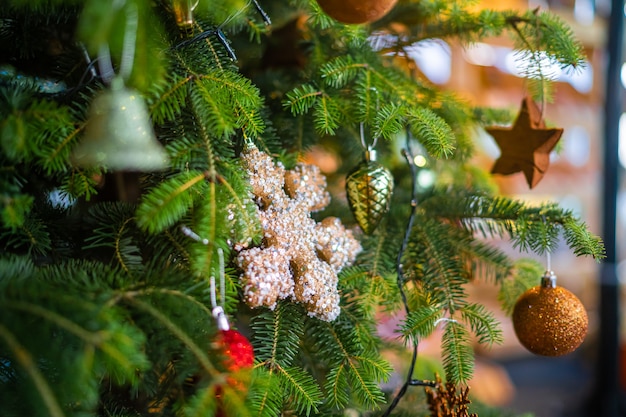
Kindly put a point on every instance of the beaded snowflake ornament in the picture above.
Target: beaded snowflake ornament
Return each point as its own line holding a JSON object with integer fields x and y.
{"x": 299, "y": 258}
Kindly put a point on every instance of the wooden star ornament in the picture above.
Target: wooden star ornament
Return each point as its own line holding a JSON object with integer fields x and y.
{"x": 526, "y": 146}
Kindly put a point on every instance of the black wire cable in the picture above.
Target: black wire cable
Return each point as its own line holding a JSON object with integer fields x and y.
{"x": 221, "y": 37}
{"x": 408, "y": 156}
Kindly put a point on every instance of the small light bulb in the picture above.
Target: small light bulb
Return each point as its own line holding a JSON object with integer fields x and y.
{"x": 419, "y": 161}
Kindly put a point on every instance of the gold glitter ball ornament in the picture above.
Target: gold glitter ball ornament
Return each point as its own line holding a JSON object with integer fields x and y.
{"x": 356, "y": 11}
{"x": 369, "y": 187}
{"x": 549, "y": 320}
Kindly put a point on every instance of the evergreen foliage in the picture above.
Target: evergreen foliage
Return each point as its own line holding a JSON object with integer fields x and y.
{"x": 105, "y": 300}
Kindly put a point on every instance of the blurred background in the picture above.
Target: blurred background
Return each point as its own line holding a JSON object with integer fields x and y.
{"x": 586, "y": 175}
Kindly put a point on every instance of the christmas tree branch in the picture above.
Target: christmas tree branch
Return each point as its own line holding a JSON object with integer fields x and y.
{"x": 401, "y": 280}
{"x": 32, "y": 369}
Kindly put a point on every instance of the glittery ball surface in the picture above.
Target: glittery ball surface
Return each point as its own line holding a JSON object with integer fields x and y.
{"x": 550, "y": 321}
{"x": 238, "y": 350}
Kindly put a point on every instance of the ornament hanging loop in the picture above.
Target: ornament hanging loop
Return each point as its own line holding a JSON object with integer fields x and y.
{"x": 548, "y": 280}
{"x": 218, "y": 310}
{"x": 370, "y": 152}
{"x": 105, "y": 64}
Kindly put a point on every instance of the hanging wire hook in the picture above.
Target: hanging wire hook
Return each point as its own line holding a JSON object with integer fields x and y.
{"x": 361, "y": 126}
{"x": 218, "y": 310}
{"x": 219, "y": 33}
{"x": 445, "y": 320}
{"x": 130, "y": 41}
{"x": 362, "y": 134}
{"x": 190, "y": 233}
{"x": 221, "y": 37}
{"x": 548, "y": 254}
{"x": 105, "y": 63}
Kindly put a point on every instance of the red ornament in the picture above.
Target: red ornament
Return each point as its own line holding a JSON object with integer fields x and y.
{"x": 238, "y": 350}
{"x": 239, "y": 359}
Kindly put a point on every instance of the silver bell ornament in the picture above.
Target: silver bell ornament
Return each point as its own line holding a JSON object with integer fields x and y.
{"x": 369, "y": 187}
{"x": 119, "y": 135}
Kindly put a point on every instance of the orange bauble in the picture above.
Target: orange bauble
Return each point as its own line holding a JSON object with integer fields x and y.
{"x": 550, "y": 320}
{"x": 356, "y": 11}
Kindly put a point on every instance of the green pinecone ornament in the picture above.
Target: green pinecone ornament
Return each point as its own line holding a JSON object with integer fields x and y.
{"x": 369, "y": 186}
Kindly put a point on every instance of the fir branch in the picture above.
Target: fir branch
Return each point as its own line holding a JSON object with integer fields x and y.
{"x": 176, "y": 331}
{"x": 118, "y": 347}
{"x": 80, "y": 183}
{"x": 211, "y": 103}
{"x": 13, "y": 266}
{"x": 319, "y": 18}
{"x": 91, "y": 340}
{"x": 233, "y": 400}
{"x": 245, "y": 227}
{"x": 337, "y": 387}
{"x": 458, "y": 357}
{"x": 525, "y": 275}
{"x": 204, "y": 401}
{"x": 531, "y": 228}
{"x": 237, "y": 91}
{"x": 379, "y": 368}
{"x": 52, "y": 131}
{"x": 277, "y": 335}
{"x": 486, "y": 261}
{"x": 25, "y": 360}
{"x": 364, "y": 386}
{"x": 167, "y": 203}
{"x": 326, "y": 115}
{"x": 360, "y": 311}
{"x": 206, "y": 226}
{"x": 382, "y": 256}
{"x": 432, "y": 131}
{"x": 114, "y": 228}
{"x": 127, "y": 252}
{"x": 341, "y": 71}
{"x": 373, "y": 282}
{"x": 169, "y": 292}
{"x": 32, "y": 235}
{"x": 57, "y": 319}
{"x": 166, "y": 100}
{"x": 14, "y": 210}
{"x": 265, "y": 395}
{"x": 367, "y": 390}
{"x": 443, "y": 273}
{"x": 420, "y": 323}
{"x": 301, "y": 99}
{"x": 581, "y": 240}
{"x": 302, "y": 390}
{"x": 389, "y": 121}
{"x": 483, "y": 324}
{"x": 250, "y": 121}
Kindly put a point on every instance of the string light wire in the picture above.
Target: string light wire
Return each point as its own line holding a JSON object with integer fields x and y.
{"x": 409, "y": 381}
